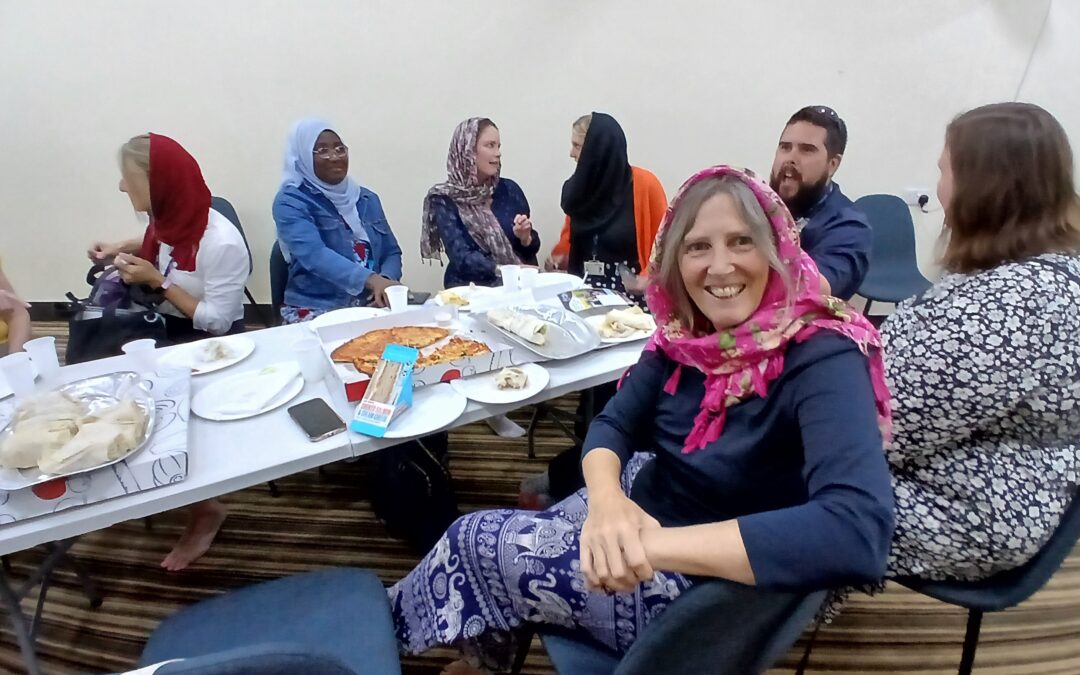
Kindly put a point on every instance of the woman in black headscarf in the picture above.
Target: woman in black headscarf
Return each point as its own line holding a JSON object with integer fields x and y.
{"x": 612, "y": 209}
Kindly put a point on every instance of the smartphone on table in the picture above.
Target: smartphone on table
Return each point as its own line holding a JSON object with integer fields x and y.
{"x": 317, "y": 419}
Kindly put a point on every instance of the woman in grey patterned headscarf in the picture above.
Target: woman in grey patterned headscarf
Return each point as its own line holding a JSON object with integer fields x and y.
{"x": 479, "y": 219}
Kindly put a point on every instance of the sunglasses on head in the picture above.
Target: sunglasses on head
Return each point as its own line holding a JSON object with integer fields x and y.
{"x": 828, "y": 112}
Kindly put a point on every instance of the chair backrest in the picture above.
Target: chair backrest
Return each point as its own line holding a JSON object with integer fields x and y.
{"x": 225, "y": 208}
{"x": 689, "y": 636}
{"x": 894, "y": 230}
{"x": 267, "y": 659}
{"x": 279, "y": 276}
{"x": 1011, "y": 587}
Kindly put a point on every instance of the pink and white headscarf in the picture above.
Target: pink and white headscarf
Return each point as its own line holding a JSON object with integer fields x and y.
{"x": 741, "y": 362}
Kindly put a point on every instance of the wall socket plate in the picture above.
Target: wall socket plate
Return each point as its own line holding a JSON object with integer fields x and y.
{"x": 912, "y": 195}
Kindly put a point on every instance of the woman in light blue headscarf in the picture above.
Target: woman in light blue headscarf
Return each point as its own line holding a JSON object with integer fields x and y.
{"x": 332, "y": 231}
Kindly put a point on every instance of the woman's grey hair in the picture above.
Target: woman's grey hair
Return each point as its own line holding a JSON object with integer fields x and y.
{"x": 750, "y": 211}
{"x": 136, "y": 152}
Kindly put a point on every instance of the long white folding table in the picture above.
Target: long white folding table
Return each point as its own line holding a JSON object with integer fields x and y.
{"x": 224, "y": 457}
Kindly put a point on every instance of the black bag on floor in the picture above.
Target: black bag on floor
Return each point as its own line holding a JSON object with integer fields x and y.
{"x": 113, "y": 314}
{"x": 411, "y": 491}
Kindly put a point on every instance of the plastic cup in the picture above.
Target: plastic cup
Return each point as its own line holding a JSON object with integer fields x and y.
{"x": 142, "y": 354}
{"x": 312, "y": 360}
{"x": 511, "y": 277}
{"x": 527, "y": 277}
{"x": 398, "y": 297}
{"x": 18, "y": 370}
{"x": 42, "y": 353}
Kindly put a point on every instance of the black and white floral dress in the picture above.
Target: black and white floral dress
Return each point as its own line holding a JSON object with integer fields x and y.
{"x": 985, "y": 374}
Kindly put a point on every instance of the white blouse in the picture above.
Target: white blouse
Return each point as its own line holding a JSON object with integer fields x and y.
{"x": 217, "y": 282}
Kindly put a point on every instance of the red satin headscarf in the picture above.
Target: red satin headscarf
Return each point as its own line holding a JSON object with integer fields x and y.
{"x": 179, "y": 203}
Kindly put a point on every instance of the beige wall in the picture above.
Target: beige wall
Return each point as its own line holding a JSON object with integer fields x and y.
{"x": 693, "y": 83}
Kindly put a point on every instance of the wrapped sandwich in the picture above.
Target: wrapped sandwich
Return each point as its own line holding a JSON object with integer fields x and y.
{"x": 512, "y": 378}
{"x": 96, "y": 443}
{"x": 621, "y": 323}
{"x": 130, "y": 418}
{"x": 527, "y": 327}
{"x": 51, "y": 405}
{"x": 29, "y": 440}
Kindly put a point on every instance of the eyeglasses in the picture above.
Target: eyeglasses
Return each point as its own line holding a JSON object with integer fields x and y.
{"x": 336, "y": 151}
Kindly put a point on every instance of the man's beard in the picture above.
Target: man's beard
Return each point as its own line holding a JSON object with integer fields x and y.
{"x": 805, "y": 198}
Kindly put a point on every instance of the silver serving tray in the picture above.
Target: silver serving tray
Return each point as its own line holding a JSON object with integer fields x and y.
{"x": 96, "y": 393}
{"x": 568, "y": 336}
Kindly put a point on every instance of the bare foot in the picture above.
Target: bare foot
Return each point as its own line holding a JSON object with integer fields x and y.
{"x": 204, "y": 521}
{"x": 462, "y": 667}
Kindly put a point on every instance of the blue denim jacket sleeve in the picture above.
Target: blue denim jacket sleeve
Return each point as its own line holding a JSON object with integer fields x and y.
{"x": 297, "y": 230}
{"x": 389, "y": 262}
{"x": 460, "y": 247}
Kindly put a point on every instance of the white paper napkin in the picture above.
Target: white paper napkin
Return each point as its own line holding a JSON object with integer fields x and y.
{"x": 252, "y": 393}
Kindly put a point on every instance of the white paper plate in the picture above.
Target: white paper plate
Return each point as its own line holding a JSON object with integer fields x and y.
{"x": 552, "y": 278}
{"x": 468, "y": 292}
{"x": 208, "y": 402}
{"x": 597, "y": 320}
{"x": 482, "y": 389}
{"x": 433, "y": 408}
{"x": 187, "y": 355}
{"x": 5, "y": 388}
{"x": 344, "y": 315}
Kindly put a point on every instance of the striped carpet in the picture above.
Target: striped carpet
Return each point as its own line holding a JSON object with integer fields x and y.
{"x": 324, "y": 519}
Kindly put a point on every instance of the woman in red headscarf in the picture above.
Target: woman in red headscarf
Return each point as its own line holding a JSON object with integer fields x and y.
{"x": 190, "y": 252}
{"x": 197, "y": 258}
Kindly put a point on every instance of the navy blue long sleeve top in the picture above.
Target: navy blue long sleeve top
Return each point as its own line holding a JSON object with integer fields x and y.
{"x": 468, "y": 262}
{"x": 837, "y": 236}
{"x": 802, "y": 469}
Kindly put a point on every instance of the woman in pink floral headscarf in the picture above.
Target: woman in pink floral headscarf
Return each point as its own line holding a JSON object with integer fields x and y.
{"x": 762, "y": 407}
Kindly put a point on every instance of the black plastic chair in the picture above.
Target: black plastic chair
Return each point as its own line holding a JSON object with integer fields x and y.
{"x": 225, "y": 208}
{"x": 688, "y": 637}
{"x": 1005, "y": 589}
{"x": 279, "y": 279}
{"x": 894, "y": 273}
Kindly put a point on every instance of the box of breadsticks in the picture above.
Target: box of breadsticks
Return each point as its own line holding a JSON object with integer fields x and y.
{"x": 161, "y": 460}
{"x": 447, "y": 349}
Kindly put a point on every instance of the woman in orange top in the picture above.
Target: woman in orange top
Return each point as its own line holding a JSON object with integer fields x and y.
{"x": 613, "y": 210}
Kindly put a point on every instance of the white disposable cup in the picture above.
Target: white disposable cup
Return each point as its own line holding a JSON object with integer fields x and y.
{"x": 312, "y": 360}
{"x": 527, "y": 277}
{"x": 19, "y": 372}
{"x": 511, "y": 277}
{"x": 444, "y": 316}
{"x": 143, "y": 354}
{"x": 42, "y": 352}
{"x": 398, "y": 297}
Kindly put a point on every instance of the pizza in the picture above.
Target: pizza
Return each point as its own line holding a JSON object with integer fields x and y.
{"x": 457, "y": 348}
{"x": 364, "y": 351}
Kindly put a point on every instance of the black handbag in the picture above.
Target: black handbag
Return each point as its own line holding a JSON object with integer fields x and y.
{"x": 411, "y": 491}
{"x": 112, "y": 315}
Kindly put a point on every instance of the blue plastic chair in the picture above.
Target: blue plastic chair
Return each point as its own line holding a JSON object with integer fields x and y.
{"x": 329, "y": 622}
{"x": 279, "y": 279}
{"x": 689, "y": 637}
{"x": 1005, "y": 589}
{"x": 225, "y": 208}
{"x": 894, "y": 273}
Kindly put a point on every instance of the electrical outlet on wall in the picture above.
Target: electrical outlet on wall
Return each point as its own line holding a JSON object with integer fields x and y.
{"x": 918, "y": 197}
